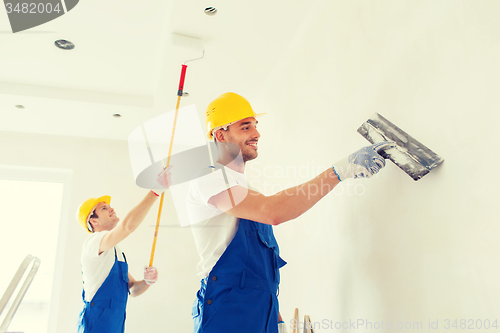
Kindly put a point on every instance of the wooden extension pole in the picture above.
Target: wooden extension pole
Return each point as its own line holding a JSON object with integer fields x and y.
{"x": 179, "y": 94}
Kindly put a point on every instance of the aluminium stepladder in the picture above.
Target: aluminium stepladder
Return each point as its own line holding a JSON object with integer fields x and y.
{"x": 22, "y": 291}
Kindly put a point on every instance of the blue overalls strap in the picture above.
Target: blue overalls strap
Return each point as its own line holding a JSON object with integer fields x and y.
{"x": 105, "y": 313}
{"x": 241, "y": 289}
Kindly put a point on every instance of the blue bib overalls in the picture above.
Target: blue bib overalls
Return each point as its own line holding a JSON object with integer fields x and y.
{"x": 106, "y": 312}
{"x": 240, "y": 293}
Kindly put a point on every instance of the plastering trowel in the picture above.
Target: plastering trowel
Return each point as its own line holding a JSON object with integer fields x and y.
{"x": 409, "y": 155}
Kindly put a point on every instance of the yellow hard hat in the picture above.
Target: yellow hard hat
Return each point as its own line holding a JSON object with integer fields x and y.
{"x": 227, "y": 109}
{"x": 87, "y": 207}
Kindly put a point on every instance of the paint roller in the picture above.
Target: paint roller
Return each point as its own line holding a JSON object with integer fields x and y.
{"x": 409, "y": 155}
{"x": 189, "y": 44}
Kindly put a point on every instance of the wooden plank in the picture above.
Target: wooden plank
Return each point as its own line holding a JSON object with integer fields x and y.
{"x": 296, "y": 321}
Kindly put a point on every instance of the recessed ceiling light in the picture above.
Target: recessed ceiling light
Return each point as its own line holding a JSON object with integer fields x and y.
{"x": 211, "y": 11}
{"x": 19, "y": 106}
{"x": 64, "y": 44}
{"x": 117, "y": 115}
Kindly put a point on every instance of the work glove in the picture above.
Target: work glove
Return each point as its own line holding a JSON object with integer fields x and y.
{"x": 150, "y": 275}
{"x": 164, "y": 179}
{"x": 282, "y": 327}
{"x": 364, "y": 163}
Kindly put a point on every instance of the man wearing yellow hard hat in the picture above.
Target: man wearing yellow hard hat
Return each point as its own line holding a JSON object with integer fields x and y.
{"x": 106, "y": 280}
{"x": 239, "y": 256}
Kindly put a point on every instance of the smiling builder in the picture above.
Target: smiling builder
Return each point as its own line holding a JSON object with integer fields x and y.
{"x": 239, "y": 256}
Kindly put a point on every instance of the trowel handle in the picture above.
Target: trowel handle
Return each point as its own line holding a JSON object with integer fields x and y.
{"x": 384, "y": 154}
{"x": 181, "y": 81}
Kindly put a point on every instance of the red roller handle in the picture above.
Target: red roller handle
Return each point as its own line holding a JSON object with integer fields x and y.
{"x": 181, "y": 81}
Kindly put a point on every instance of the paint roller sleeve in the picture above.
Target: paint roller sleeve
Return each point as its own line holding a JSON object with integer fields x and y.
{"x": 363, "y": 163}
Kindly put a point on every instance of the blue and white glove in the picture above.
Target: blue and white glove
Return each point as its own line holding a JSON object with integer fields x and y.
{"x": 364, "y": 163}
{"x": 282, "y": 327}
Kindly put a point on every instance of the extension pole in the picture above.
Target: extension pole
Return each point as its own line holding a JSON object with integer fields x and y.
{"x": 179, "y": 94}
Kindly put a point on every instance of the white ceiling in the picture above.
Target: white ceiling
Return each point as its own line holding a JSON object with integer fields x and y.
{"x": 127, "y": 61}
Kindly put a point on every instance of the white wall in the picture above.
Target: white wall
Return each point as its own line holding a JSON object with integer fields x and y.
{"x": 403, "y": 250}
{"x": 103, "y": 167}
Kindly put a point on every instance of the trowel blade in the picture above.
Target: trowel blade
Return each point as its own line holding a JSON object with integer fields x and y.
{"x": 410, "y": 155}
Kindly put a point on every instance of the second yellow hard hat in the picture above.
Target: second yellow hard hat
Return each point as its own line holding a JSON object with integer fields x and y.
{"x": 87, "y": 207}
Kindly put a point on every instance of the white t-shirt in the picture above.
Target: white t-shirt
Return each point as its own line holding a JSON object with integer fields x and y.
{"x": 95, "y": 267}
{"x": 212, "y": 229}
